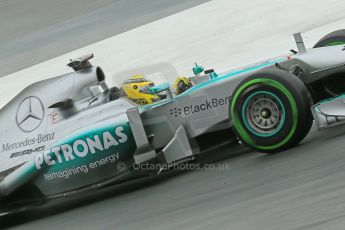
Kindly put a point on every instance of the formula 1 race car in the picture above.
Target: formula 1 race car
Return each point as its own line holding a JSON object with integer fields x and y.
{"x": 70, "y": 133}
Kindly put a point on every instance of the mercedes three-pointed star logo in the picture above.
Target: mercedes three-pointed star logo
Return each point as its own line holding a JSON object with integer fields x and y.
{"x": 30, "y": 114}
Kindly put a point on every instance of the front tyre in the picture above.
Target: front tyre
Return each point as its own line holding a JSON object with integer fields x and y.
{"x": 270, "y": 111}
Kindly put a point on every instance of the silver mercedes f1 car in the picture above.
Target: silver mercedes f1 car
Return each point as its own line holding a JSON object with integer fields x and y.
{"x": 72, "y": 133}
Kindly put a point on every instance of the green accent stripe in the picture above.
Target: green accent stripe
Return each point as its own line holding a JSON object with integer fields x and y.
{"x": 237, "y": 121}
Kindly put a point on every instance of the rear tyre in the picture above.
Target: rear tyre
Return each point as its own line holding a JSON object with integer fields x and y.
{"x": 270, "y": 111}
{"x": 332, "y": 39}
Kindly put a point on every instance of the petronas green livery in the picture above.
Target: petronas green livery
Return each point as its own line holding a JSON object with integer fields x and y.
{"x": 73, "y": 133}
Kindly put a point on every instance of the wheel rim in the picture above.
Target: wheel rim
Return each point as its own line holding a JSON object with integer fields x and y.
{"x": 263, "y": 114}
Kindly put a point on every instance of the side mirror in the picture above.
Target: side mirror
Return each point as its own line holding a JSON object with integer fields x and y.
{"x": 211, "y": 73}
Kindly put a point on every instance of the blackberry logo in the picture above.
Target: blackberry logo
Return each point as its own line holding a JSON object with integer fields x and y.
{"x": 176, "y": 112}
{"x": 197, "y": 108}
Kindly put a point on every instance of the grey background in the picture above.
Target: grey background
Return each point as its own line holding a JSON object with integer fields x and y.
{"x": 303, "y": 188}
{"x": 32, "y": 31}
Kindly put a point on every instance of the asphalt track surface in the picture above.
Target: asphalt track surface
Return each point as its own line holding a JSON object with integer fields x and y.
{"x": 302, "y": 188}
